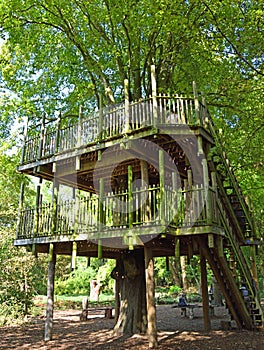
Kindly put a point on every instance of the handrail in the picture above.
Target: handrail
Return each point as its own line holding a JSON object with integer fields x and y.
{"x": 176, "y": 208}
{"x": 228, "y": 168}
{"x": 175, "y": 110}
{"x": 242, "y": 261}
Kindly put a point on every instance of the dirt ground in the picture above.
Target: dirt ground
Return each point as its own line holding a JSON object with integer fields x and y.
{"x": 174, "y": 332}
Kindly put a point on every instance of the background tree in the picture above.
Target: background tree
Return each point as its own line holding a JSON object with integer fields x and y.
{"x": 59, "y": 54}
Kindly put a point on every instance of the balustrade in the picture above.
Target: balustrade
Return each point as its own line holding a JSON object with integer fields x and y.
{"x": 110, "y": 122}
{"x": 175, "y": 208}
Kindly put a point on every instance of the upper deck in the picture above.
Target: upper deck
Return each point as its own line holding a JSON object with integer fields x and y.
{"x": 70, "y": 136}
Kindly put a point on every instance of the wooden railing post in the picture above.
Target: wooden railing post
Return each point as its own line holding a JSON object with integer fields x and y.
{"x": 37, "y": 208}
{"x": 42, "y": 136}
{"x": 154, "y": 95}
{"x": 100, "y": 121}
{"x": 126, "y": 91}
{"x": 196, "y": 104}
{"x": 54, "y": 207}
{"x": 208, "y": 198}
{"x": 24, "y": 141}
{"x": 21, "y": 206}
{"x": 79, "y": 136}
{"x": 57, "y": 135}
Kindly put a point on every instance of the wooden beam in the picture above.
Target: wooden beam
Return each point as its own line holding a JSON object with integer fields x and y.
{"x": 50, "y": 294}
{"x": 205, "y": 296}
{"x": 150, "y": 290}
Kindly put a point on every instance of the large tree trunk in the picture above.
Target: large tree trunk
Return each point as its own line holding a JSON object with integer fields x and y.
{"x": 130, "y": 273}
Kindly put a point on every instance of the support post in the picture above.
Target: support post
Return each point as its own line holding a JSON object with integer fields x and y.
{"x": 205, "y": 296}
{"x": 150, "y": 290}
{"x": 74, "y": 255}
{"x": 126, "y": 92}
{"x": 42, "y": 137}
{"x": 57, "y": 137}
{"x": 50, "y": 294}
{"x": 21, "y": 206}
{"x": 162, "y": 214}
{"x": 130, "y": 205}
{"x": 154, "y": 95}
{"x": 55, "y": 191}
{"x": 25, "y": 141}
{"x": 101, "y": 216}
{"x": 208, "y": 199}
{"x": 196, "y": 104}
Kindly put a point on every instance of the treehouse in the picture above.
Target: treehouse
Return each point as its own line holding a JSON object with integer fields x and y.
{"x": 147, "y": 179}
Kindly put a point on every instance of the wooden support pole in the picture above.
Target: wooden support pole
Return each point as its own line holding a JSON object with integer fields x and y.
{"x": 100, "y": 121}
{"x": 130, "y": 204}
{"x": 37, "y": 209}
{"x": 74, "y": 255}
{"x": 55, "y": 191}
{"x": 205, "y": 296}
{"x": 150, "y": 290}
{"x": 126, "y": 92}
{"x": 21, "y": 206}
{"x": 196, "y": 104}
{"x": 25, "y": 141}
{"x": 117, "y": 294}
{"x": 254, "y": 266}
{"x": 50, "y": 293}
{"x": 101, "y": 216}
{"x": 208, "y": 199}
{"x": 80, "y": 127}
{"x": 162, "y": 214}
{"x": 154, "y": 95}
{"x": 57, "y": 138}
{"x": 42, "y": 136}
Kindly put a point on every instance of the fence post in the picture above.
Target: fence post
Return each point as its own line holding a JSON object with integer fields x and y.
{"x": 154, "y": 95}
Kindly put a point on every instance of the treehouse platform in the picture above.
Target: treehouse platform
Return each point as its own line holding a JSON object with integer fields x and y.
{"x": 149, "y": 175}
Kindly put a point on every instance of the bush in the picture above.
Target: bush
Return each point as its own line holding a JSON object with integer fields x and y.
{"x": 78, "y": 282}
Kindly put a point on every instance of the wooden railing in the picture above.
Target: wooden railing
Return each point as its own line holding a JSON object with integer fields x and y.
{"x": 147, "y": 207}
{"x": 70, "y": 132}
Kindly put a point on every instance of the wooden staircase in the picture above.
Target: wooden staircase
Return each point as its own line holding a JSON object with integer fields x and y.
{"x": 227, "y": 259}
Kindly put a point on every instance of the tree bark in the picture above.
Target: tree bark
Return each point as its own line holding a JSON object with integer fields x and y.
{"x": 130, "y": 274}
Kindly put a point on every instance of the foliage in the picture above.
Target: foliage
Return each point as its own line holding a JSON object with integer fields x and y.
{"x": 59, "y": 54}
{"x": 21, "y": 277}
{"x": 77, "y": 282}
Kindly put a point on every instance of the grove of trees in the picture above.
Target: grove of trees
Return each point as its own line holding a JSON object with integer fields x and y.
{"x": 60, "y": 54}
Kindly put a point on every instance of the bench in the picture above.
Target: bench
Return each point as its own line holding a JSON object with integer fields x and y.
{"x": 107, "y": 312}
{"x": 85, "y": 310}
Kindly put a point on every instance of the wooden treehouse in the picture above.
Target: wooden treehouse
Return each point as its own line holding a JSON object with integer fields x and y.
{"x": 147, "y": 179}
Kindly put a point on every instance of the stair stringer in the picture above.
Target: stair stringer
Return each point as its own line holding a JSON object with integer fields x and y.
{"x": 242, "y": 265}
{"x": 228, "y": 286}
